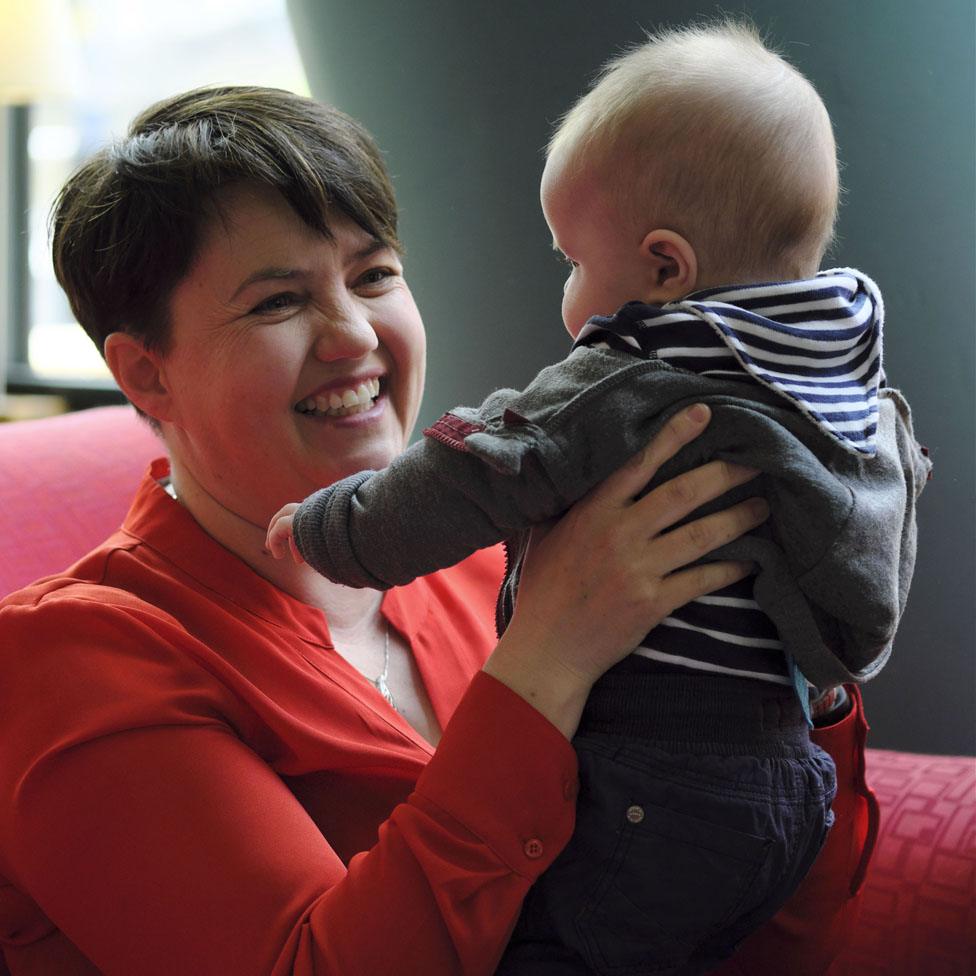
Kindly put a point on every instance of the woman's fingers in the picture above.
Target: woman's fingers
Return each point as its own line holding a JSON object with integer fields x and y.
{"x": 689, "y": 584}
{"x": 672, "y": 501}
{"x": 675, "y": 499}
{"x": 629, "y": 480}
{"x": 688, "y": 543}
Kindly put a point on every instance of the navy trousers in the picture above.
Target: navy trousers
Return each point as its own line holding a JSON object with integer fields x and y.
{"x": 702, "y": 805}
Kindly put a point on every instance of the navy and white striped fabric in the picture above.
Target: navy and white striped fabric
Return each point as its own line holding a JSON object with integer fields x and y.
{"x": 815, "y": 342}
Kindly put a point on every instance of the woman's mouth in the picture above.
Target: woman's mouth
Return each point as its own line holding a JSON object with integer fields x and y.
{"x": 341, "y": 403}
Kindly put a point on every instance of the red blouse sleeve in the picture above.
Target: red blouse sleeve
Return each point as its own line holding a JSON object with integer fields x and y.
{"x": 158, "y": 842}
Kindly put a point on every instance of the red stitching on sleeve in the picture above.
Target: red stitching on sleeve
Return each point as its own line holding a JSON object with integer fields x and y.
{"x": 451, "y": 430}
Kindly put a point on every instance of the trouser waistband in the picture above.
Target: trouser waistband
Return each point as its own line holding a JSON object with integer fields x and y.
{"x": 694, "y": 708}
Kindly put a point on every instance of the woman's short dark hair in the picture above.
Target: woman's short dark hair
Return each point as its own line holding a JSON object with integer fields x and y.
{"x": 126, "y": 227}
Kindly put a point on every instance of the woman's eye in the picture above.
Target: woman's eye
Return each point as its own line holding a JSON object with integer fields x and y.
{"x": 562, "y": 259}
{"x": 276, "y": 303}
{"x": 375, "y": 276}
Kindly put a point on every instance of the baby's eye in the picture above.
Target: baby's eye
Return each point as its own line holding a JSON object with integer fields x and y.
{"x": 277, "y": 303}
{"x": 562, "y": 259}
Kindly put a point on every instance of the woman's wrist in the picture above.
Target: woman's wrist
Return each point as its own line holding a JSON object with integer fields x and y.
{"x": 544, "y": 681}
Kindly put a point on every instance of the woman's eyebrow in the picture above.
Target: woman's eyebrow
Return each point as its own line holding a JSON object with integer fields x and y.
{"x": 373, "y": 245}
{"x": 270, "y": 274}
{"x": 274, "y": 273}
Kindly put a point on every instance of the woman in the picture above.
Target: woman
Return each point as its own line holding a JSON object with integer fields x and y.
{"x": 199, "y": 773}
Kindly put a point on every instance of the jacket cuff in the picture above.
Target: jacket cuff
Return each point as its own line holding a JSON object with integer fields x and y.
{"x": 507, "y": 774}
{"x": 321, "y": 530}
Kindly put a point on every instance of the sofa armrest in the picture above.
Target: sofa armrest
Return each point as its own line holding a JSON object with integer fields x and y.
{"x": 918, "y": 907}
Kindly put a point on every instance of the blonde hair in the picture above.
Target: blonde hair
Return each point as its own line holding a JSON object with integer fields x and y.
{"x": 705, "y": 131}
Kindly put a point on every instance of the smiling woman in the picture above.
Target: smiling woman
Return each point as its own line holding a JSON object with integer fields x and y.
{"x": 217, "y": 762}
{"x": 245, "y": 357}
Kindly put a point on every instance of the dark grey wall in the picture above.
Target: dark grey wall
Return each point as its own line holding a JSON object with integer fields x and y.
{"x": 462, "y": 96}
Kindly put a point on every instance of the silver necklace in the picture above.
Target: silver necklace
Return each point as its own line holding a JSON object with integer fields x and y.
{"x": 380, "y": 682}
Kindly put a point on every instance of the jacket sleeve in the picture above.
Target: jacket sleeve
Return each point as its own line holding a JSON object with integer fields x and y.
{"x": 480, "y": 475}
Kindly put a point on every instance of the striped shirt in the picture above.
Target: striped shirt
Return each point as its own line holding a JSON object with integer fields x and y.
{"x": 816, "y": 343}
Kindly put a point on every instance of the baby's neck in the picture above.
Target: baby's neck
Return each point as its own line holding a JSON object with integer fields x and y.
{"x": 761, "y": 277}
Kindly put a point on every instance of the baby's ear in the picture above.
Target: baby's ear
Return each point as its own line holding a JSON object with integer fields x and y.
{"x": 671, "y": 263}
{"x": 138, "y": 371}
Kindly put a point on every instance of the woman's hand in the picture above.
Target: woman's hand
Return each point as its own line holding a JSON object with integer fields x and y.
{"x": 597, "y": 580}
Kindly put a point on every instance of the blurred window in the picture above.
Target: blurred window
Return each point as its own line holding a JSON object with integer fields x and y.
{"x": 132, "y": 53}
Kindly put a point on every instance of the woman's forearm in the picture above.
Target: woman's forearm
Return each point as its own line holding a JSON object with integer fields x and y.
{"x": 177, "y": 849}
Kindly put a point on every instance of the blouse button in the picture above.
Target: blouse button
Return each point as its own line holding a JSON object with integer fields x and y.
{"x": 635, "y": 814}
{"x": 533, "y": 848}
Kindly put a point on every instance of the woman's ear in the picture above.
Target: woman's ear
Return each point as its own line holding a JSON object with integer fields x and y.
{"x": 138, "y": 372}
{"x": 672, "y": 266}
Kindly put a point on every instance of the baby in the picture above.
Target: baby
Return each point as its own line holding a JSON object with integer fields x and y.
{"x": 693, "y": 193}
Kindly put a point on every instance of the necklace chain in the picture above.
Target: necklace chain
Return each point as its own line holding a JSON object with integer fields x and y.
{"x": 380, "y": 682}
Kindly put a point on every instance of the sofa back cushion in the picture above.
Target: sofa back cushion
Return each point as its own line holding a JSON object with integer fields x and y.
{"x": 65, "y": 484}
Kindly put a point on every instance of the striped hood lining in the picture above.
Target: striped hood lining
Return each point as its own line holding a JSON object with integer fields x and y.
{"x": 816, "y": 342}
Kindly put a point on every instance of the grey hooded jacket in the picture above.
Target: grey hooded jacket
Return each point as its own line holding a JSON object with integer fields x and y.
{"x": 835, "y": 559}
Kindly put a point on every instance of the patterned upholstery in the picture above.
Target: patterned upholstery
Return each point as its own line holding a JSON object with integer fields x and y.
{"x": 918, "y": 913}
{"x": 65, "y": 484}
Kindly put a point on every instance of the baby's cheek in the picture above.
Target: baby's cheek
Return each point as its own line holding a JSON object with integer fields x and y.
{"x": 570, "y": 318}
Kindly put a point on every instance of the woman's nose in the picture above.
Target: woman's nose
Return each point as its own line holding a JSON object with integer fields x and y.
{"x": 345, "y": 332}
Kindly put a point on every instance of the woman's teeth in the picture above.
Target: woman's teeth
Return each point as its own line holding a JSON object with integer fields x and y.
{"x": 336, "y": 404}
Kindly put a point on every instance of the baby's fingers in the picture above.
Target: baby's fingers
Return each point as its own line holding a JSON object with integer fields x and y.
{"x": 279, "y": 541}
{"x": 279, "y": 537}
{"x": 296, "y": 556}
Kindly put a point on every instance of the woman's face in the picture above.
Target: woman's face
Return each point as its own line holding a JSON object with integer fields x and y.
{"x": 294, "y": 360}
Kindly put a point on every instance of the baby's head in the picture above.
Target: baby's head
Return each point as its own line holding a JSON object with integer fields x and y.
{"x": 700, "y": 158}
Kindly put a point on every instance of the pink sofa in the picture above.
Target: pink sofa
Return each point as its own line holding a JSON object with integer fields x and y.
{"x": 65, "y": 484}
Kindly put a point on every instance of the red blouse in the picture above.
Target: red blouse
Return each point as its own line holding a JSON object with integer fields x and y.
{"x": 193, "y": 780}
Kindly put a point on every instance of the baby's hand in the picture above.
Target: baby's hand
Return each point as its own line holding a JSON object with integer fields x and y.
{"x": 281, "y": 539}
